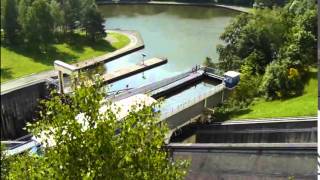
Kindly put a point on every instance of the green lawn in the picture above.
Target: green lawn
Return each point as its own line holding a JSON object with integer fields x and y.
{"x": 17, "y": 61}
{"x": 305, "y": 105}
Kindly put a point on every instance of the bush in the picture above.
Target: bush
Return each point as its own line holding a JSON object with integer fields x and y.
{"x": 281, "y": 81}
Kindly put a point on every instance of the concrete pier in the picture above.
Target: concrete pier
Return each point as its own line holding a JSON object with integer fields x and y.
{"x": 125, "y": 72}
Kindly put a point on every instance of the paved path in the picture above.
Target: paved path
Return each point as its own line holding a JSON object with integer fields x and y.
{"x": 136, "y": 43}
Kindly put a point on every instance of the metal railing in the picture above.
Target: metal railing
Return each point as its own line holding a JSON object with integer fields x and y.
{"x": 191, "y": 102}
{"x": 150, "y": 87}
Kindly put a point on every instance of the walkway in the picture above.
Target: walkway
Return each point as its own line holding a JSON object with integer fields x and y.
{"x": 136, "y": 43}
{"x": 152, "y": 87}
{"x": 133, "y": 69}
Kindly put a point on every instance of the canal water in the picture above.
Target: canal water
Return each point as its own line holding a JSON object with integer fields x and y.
{"x": 186, "y": 35}
{"x": 190, "y": 93}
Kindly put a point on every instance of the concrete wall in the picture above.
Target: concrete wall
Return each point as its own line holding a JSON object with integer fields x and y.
{"x": 18, "y": 107}
{"x": 187, "y": 114}
{"x": 289, "y": 132}
{"x": 244, "y": 165}
{"x": 274, "y": 132}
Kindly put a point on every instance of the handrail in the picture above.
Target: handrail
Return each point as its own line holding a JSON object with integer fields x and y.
{"x": 151, "y": 87}
{"x": 191, "y": 102}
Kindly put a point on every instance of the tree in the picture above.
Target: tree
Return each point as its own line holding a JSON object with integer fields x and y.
{"x": 92, "y": 21}
{"x": 300, "y": 47}
{"x": 84, "y": 139}
{"x": 57, "y": 14}
{"x": 71, "y": 10}
{"x": 255, "y": 36}
{"x": 37, "y": 25}
{"x": 9, "y": 20}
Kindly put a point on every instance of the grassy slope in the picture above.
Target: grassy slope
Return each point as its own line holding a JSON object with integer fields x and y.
{"x": 17, "y": 62}
{"x": 305, "y": 105}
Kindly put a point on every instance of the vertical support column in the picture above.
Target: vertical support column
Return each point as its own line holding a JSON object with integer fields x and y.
{"x": 76, "y": 76}
{"x": 61, "y": 85}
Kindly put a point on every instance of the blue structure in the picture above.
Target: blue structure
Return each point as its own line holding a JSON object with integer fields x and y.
{"x": 231, "y": 79}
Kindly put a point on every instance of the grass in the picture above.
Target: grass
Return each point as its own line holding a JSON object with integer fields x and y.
{"x": 304, "y": 105}
{"x": 18, "y": 61}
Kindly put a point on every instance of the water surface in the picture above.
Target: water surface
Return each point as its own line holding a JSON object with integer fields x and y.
{"x": 186, "y": 35}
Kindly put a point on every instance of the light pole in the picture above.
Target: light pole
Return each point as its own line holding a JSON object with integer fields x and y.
{"x": 143, "y": 55}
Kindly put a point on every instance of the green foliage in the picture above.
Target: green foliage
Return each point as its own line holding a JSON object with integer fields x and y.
{"x": 42, "y": 21}
{"x": 272, "y": 48}
{"x": 4, "y": 162}
{"x": 17, "y": 61}
{"x": 98, "y": 145}
{"x": 208, "y": 62}
{"x": 9, "y": 22}
{"x": 304, "y": 105}
{"x": 240, "y": 97}
{"x": 71, "y": 10}
{"x": 38, "y": 23}
{"x": 92, "y": 21}
{"x": 246, "y": 90}
{"x": 254, "y": 37}
{"x": 58, "y": 15}
{"x": 280, "y": 81}
{"x": 268, "y": 3}
{"x": 300, "y": 47}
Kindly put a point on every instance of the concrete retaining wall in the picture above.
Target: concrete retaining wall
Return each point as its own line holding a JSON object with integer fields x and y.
{"x": 273, "y": 132}
{"x": 249, "y": 164}
{"x": 18, "y": 107}
{"x": 187, "y": 114}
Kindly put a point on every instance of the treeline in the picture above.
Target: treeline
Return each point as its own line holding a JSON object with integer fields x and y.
{"x": 39, "y": 22}
{"x": 248, "y": 3}
{"x": 273, "y": 49}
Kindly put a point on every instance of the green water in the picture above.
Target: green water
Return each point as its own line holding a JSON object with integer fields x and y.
{"x": 186, "y": 35}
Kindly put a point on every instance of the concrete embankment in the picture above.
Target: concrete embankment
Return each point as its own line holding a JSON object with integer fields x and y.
{"x": 133, "y": 69}
{"x": 136, "y": 43}
{"x": 282, "y": 130}
{"x": 276, "y": 161}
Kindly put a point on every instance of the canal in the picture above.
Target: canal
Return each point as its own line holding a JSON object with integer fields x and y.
{"x": 186, "y": 35}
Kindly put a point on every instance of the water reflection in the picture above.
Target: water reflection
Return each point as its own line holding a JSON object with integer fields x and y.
{"x": 185, "y": 12}
{"x": 179, "y": 98}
